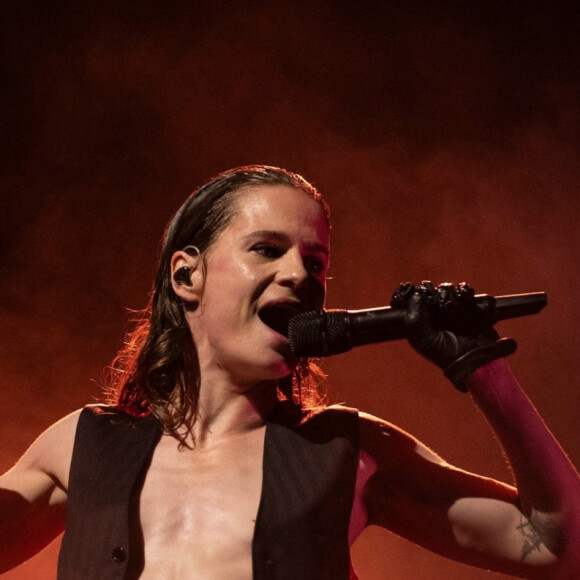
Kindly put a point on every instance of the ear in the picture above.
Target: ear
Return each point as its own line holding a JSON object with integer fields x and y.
{"x": 188, "y": 285}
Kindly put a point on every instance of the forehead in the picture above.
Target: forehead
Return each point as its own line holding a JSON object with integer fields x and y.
{"x": 280, "y": 208}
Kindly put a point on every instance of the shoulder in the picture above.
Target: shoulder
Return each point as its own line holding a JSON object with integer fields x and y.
{"x": 52, "y": 451}
{"x": 318, "y": 425}
{"x": 386, "y": 448}
{"x": 45, "y": 464}
{"x": 292, "y": 415}
{"x": 57, "y": 441}
{"x": 337, "y": 410}
{"x": 332, "y": 417}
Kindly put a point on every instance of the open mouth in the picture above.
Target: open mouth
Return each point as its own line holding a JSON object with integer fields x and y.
{"x": 277, "y": 317}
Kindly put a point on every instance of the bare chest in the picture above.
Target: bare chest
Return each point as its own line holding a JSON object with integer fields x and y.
{"x": 198, "y": 509}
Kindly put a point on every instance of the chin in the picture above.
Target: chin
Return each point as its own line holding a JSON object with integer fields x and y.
{"x": 283, "y": 366}
{"x": 281, "y": 371}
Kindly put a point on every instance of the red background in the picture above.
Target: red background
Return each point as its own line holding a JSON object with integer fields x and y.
{"x": 444, "y": 135}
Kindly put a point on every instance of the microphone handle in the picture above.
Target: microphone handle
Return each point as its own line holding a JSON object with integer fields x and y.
{"x": 386, "y": 323}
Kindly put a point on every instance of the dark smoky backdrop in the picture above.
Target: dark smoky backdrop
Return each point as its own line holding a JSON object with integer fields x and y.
{"x": 443, "y": 134}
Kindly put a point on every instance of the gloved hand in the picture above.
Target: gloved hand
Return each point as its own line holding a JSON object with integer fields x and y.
{"x": 446, "y": 326}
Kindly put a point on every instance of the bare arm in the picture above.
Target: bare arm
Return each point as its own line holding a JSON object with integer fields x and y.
{"x": 532, "y": 531}
{"x": 548, "y": 485}
{"x": 33, "y": 495}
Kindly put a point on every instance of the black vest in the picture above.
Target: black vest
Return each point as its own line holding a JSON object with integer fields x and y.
{"x": 301, "y": 532}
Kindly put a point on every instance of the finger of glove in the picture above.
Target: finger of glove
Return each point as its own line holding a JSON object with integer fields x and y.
{"x": 458, "y": 312}
{"x": 439, "y": 346}
{"x": 401, "y": 295}
{"x": 419, "y": 328}
{"x": 418, "y": 321}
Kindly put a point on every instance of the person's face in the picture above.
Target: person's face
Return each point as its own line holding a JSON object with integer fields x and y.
{"x": 269, "y": 263}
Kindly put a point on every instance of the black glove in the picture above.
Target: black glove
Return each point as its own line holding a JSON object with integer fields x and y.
{"x": 445, "y": 325}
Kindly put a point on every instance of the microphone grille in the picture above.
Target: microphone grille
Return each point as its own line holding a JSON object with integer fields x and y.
{"x": 319, "y": 333}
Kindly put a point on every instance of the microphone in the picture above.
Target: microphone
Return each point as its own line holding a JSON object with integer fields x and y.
{"x": 321, "y": 333}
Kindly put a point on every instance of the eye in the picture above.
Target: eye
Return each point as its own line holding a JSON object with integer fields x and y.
{"x": 268, "y": 250}
{"x": 315, "y": 265}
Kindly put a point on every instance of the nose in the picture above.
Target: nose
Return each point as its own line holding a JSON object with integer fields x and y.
{"x": 292, "y": 270}
{"x": 293, "y": 273}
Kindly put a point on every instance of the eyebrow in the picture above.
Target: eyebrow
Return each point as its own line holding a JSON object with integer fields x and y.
{"x": 281, "y": 237}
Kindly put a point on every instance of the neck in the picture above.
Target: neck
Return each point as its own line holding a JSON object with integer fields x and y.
{"x": 225, "y": 410}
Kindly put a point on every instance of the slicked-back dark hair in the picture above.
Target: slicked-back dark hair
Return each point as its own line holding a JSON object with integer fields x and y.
{"x": 157, "y": 370}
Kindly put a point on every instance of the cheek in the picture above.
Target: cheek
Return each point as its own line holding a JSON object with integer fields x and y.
{"x": 317, "y": 294}
{"x": 245, "y": 272}
{"x": 231, "y": 267}
{"x": 230, "y": 286}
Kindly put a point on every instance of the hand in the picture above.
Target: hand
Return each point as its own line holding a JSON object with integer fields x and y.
{"x": 445, "y": 325}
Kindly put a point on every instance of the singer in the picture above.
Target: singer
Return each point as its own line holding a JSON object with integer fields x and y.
{"x": 214, "y": 457}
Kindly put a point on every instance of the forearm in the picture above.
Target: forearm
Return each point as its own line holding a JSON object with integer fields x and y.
{"x": 548, "y": 484}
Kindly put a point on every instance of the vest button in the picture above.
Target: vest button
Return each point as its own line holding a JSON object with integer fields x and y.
{"x": 119, "y": 555}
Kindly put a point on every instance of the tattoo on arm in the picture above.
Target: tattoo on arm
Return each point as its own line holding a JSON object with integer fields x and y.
{"x": 532, "y": 540}
{"x": 540, "y": 529}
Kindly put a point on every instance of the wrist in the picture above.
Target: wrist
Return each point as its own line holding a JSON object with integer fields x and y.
{"x": 489, "y": 373}
{"x": 494, "y": 384}
{"x": 460, "y": 369}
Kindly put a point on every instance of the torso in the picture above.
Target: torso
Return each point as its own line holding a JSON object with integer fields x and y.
{"x": 198, "y": 508}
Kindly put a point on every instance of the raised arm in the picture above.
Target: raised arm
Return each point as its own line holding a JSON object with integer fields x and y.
{"x": 532, "y": 531}
{"x": 33, "y": 495}
{"x": 548, "y": 485}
